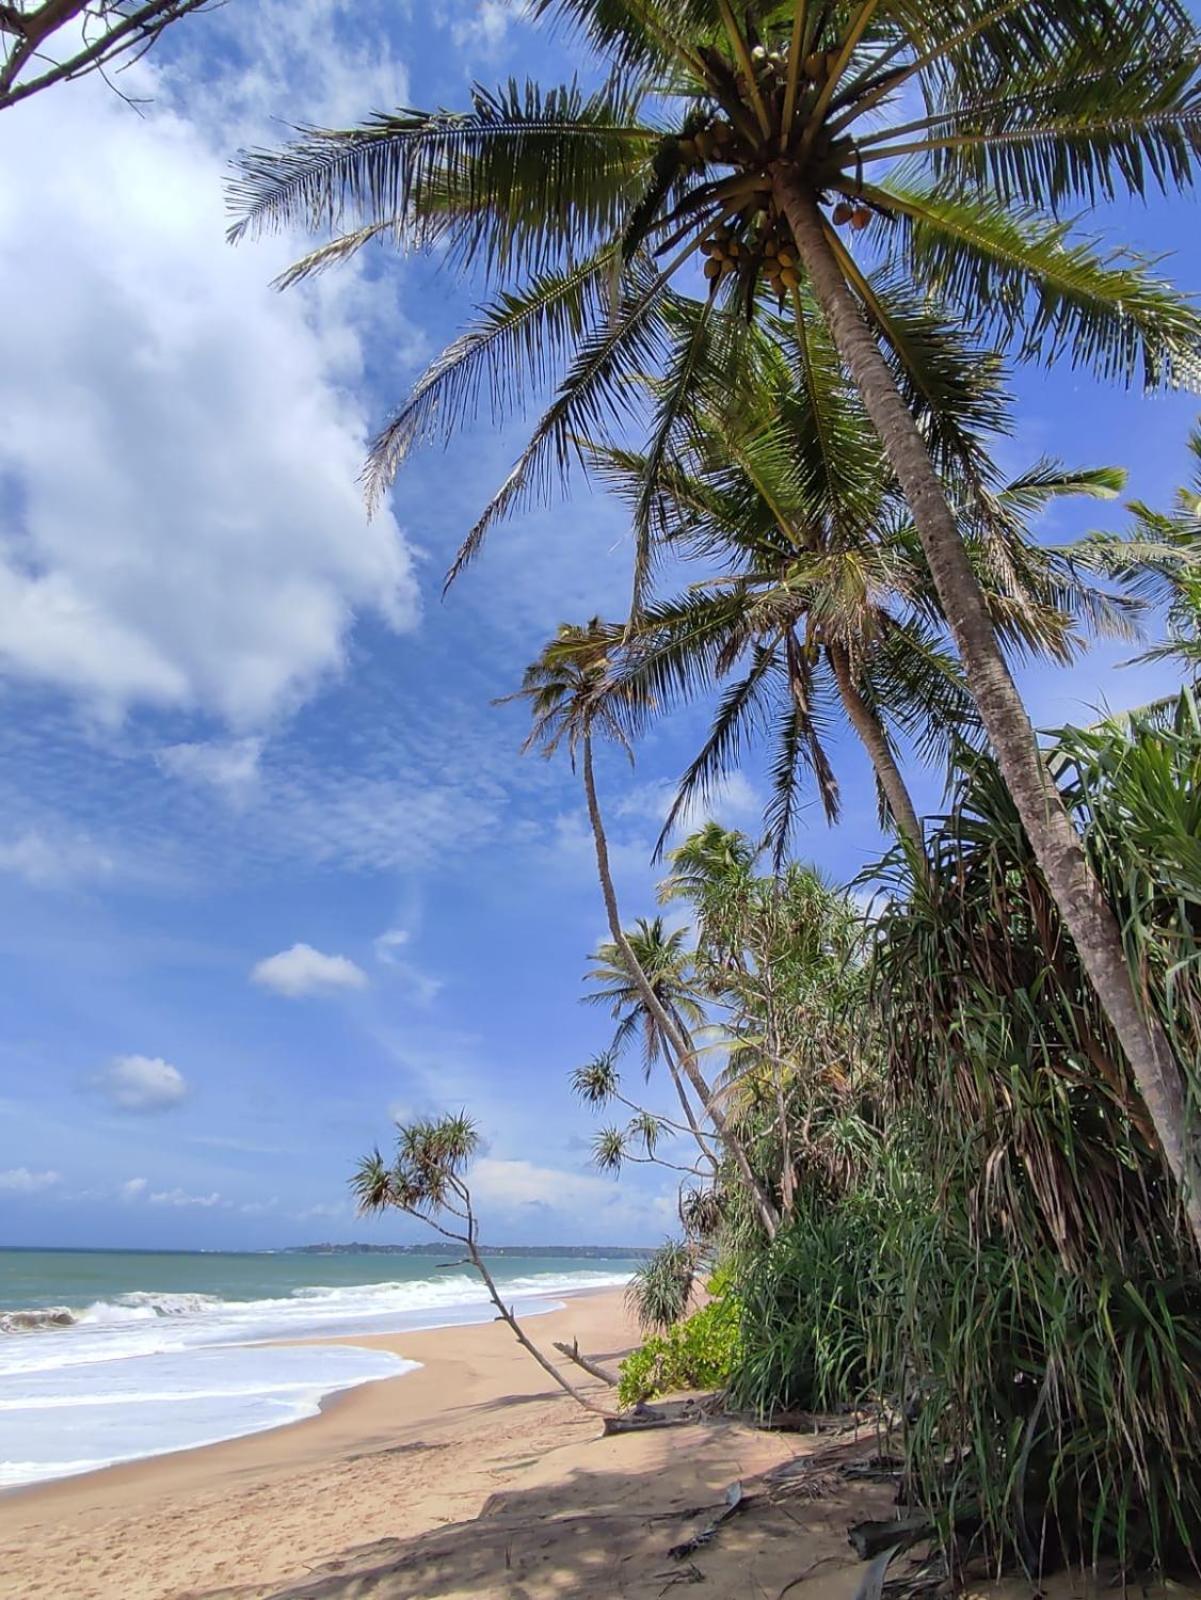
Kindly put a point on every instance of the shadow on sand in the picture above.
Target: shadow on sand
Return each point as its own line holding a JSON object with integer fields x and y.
{"x": 610, "y": 1533}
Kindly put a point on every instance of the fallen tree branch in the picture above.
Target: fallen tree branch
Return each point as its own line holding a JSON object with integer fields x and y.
{"x": 644, "y": 1424}
{"x": 572, "y": 1352}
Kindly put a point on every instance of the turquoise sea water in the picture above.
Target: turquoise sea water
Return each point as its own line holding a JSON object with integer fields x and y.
{"x": 112, "y": 1356}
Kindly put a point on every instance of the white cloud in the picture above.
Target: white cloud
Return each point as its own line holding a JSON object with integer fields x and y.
{"x": 49, "y": 862}
{"x": 231, "y": 767}
{"x": 504, "y": 1183}
{"x": 303, "y": 970}
{"x": 141, "y": 1083}
{"x": 732, "y": 800}
{"x": 181, "y": 521}
{"x": 487, "y": 24}
{"x": 389, "y": 942}
{"x": 134, "y": 1188}
{"x": 334, "y": 1211}
{"x": 20, "y": 1180}
{"x": 180, "y": 1197}
{"x": 421, "y": 986}
{"x": 258, "y": 1208}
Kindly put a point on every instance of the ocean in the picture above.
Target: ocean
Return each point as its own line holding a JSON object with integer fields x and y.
{"x": 115, "y": 1356}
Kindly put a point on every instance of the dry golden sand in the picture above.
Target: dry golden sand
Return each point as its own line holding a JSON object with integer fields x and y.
{"x": 469, "y": 1478}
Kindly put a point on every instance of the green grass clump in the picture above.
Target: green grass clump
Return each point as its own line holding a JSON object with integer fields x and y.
{"x": 695, "y": 1354}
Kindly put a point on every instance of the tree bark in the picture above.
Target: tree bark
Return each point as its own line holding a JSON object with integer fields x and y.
{"x": 580, "y": 1399}
{"x": 875, "y": 741}
{"x": 673, "y": 1066}
{"x": 572, "y": 1352}
{"x": 1053, "y": 838}
{"x": 768, "y": 1214}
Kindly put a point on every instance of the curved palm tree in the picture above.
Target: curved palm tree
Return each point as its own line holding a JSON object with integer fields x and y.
{"x": 664, "y": 958}
{"x": 571, "y": 693}
{"x": 953, "y": 135}
{"x": 822, "y": 600}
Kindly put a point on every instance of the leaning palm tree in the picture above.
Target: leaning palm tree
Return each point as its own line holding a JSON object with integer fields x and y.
{"x": 572, "y": 697}
{"x": 664, "y": 958}
{"x": 818, "y": 602}
{"x": 949, "y": 135}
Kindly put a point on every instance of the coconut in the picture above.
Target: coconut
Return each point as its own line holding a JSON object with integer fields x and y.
{"x": 712, "y": 268}
{"x": 860, "y": 218}
{"x": 790, "y": 278}
{"x": 843, "y": 212}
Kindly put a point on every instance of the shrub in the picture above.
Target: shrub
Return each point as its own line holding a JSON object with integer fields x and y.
{"x": 696, "y": 1354}
{"x": 807, "y": 1309}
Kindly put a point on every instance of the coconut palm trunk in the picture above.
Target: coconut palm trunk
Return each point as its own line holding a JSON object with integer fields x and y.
{"x": 768, "y": 1214}
{"x": 1054, "y": 840}
{"x": 674, "y": 1068}
{"x": 875, "y": 741}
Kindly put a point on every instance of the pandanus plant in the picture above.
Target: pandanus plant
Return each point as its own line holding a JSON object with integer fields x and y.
{"x": 572, "y": 696}
{"x": 957, "y": 132}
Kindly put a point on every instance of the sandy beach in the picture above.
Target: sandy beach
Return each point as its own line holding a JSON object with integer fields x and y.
{"x": 471, "y": 1477}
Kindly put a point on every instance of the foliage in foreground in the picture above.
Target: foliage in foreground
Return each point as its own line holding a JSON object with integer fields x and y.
{"x": 696, "y": 1354}
{"x": 1046, "y": 1309}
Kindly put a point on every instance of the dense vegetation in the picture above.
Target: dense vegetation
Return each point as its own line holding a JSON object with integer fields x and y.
{"x": 945, "y": 1152}
{"x": 978, "y": 1232}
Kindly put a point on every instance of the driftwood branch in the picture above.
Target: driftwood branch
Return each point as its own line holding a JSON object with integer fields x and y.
{"x": 572, "y": 1352}
{"x": 120, "y": 31}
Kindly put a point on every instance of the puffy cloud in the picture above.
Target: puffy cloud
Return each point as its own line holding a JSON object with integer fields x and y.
{"x": 133, "y": 1188}
{"x": 525, "y": 1183}
{"x": 303, "y": 970}
{"x": 20, "y": 1180}
{"x": 181, "y": 520}
{"x": 141, "y": 1084}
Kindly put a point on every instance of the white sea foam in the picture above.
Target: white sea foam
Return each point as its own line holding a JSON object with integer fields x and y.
{"x": 149, "y": 1372}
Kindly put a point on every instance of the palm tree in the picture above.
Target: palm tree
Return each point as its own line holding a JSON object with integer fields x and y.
{"x": 571, "y": 694}
{"x": 1159, "y": 562}
{"x": 664, "y": 958}
{"x": 822, "y": 599}
{"x": 952, "y": 135}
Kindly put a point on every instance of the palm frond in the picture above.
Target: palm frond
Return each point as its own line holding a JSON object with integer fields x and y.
{"x": 1060, "y": 296}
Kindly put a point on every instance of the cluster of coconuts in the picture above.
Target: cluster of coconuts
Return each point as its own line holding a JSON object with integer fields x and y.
{"x": 706, "y": 144}
{"x": 817, "y": 65}
{"x": 780, "y": 265}
{"x": 857, "y": 215}
{"x": 724, "y": 253}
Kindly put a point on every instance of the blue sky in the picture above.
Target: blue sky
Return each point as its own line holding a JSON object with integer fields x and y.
{"x": 271, "y": 867}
